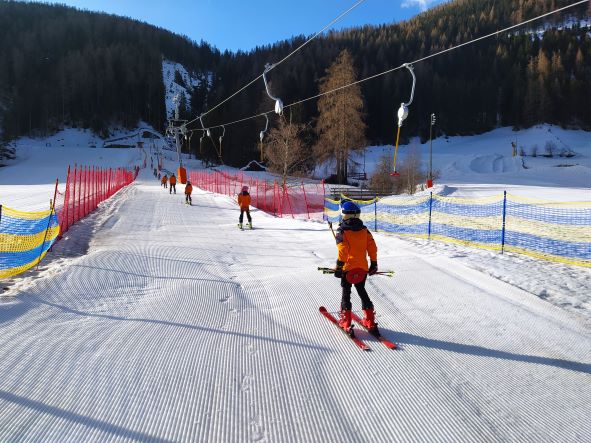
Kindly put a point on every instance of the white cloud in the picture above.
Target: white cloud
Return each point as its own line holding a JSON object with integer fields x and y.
{"x": 423, "y": 5}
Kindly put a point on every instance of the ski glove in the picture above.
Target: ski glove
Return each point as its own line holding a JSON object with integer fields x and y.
{"x": 373, "y": 268}
{"x": 338, "y": 272}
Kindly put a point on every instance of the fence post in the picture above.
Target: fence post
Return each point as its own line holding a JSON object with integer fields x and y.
{"x": 51, "y": 210}
{"x": 375, "y": 213}
{"x": 79, "y": 193}
{"x": 430, "y": 212}
{"x": 66, "y": 210}
{"x": 504, "y": 220}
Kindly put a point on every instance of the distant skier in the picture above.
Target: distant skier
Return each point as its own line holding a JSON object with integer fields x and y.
{"x": 244, "y": 203}
{"x": 355, "y": 243}
{"x": 188, "y": 191}
{"x": 164, "y": 181}
{"x": 172, "y": 184}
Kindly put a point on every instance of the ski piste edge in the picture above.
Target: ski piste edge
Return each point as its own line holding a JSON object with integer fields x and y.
{"x": 360, "y": 344}
{"x": 387, "y": 343}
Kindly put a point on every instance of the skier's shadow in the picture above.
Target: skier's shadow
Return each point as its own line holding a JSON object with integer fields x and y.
{"x": 402, "y": 339}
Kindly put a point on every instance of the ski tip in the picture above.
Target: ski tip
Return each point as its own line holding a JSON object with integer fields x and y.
{"x": 322, "y": 309}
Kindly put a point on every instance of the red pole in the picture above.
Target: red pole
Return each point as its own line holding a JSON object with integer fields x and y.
{"x": 66, "y": 212}
{"x": 78, "y": 208}
{"x": 305, "y": 199}
{"x": 257, "y": 195}
{"x": 286, "y": 193}
{"x": 109, "y": 184}
{"x": 51, "y": 212}
{"x": 85, "y": 179}
{"x": 265, "y": 196}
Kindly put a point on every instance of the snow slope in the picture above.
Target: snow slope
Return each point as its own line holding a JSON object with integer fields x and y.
{"x": 157, "y": 321}
{"x": 28, "y": 182}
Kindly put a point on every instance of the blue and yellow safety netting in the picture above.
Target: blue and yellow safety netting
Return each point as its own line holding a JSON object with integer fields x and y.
{"x": 555, "y": 231}
{"x": 25, "y": 238}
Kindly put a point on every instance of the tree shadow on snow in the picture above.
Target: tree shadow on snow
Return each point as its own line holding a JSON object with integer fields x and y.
{"x": 410, "y": 339}
{"x": 100, "y": 425}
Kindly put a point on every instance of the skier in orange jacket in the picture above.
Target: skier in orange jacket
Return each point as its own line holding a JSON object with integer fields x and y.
{"x": 355, "y": 243}
{"x": 188, "y": 191}
{"x": 172, "y": 184}
{"x": 164, "y": 181}
{"x": 244, "y": 203}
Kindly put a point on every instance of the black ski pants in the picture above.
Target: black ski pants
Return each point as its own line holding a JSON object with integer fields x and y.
{"x": 242, "y": 211}
{"x": 346, "y": 298}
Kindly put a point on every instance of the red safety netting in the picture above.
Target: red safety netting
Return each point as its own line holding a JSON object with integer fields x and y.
{"x": 295, "y": 198}
{"x": 86, "y": 187}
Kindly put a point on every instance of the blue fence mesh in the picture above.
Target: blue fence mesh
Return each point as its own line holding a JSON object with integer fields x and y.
{"x": 556, "y": 231}
{"x": 25, "y": 238}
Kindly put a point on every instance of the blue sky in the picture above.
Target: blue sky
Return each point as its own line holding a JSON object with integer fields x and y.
{"x": 244, "y": 24}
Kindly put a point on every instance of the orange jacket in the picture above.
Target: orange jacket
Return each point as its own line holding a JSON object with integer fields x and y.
{"x": 244, "y": 200}
{"x": 164, "y": 179}
{"x": 173, "y": 180}
{"x": 188, "y": 189}
{"x": 355, "y": 243}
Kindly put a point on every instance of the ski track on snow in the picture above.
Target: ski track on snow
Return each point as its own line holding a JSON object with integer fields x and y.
{"x": 176, "y": 326}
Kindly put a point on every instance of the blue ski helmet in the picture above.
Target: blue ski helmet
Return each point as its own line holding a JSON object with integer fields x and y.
{"x": 349, "y": 207}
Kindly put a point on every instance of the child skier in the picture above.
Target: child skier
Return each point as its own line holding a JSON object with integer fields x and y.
{"x": 172, "y": 182}
{"x": 244, "y": 202}
{"x": 355, "y": 243}
{"x": 188, "y": 191}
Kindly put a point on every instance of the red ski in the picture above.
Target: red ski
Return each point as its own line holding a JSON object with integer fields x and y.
{"x": 334, "y": 321}
{"x": 377, "y": 335}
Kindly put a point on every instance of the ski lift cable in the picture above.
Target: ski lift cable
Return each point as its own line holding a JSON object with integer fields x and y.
{"x": 338, "y": 18}
{"x": 402, "y": 66}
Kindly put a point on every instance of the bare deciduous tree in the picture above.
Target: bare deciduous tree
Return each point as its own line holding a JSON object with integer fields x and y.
{"x": 285, "y": 150}
{"x": 411, "y": 174}
{"x": 381, "y": 181}
{"x": 340, "y": 126}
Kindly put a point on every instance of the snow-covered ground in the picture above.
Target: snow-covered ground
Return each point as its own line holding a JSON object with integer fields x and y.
{"x": 157, "y": 321}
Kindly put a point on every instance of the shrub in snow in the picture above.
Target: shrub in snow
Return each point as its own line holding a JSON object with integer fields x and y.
{"x": 550, "y": 149}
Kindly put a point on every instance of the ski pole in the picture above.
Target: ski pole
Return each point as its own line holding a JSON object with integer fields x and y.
{"x": 385, "y": 273}
{"x": 331, "y": 271}
{"x": 332, "y": 230}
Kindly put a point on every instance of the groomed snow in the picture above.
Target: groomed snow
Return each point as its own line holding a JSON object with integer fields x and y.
{"x": 157, "y": 321}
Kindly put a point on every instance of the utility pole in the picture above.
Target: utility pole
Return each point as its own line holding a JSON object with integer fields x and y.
{"x": 430, "y": 179}
{"x": 178, "y": 128}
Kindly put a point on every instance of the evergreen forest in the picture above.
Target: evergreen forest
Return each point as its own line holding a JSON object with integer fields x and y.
{"x": 61, "y": 66}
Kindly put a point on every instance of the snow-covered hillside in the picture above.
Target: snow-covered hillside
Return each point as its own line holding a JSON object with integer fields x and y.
{"x": 172, "y": 88}
{"x": 485, "y": 163}
{"x": 152, "y": 320}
